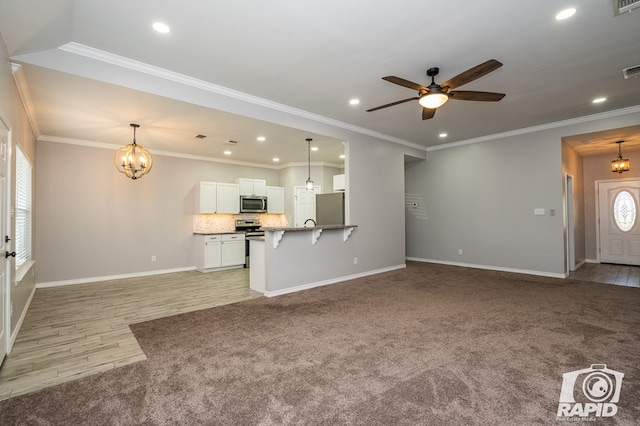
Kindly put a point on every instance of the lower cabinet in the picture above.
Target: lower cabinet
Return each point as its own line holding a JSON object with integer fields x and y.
{"x": 233, "y": 250}
{"x": 219, "y": 251}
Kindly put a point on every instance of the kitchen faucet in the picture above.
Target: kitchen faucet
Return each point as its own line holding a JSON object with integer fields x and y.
{"x": 305, "y": 222}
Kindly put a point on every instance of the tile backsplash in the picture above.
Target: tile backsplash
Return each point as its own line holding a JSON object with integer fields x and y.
{"x": 212, "y": 223}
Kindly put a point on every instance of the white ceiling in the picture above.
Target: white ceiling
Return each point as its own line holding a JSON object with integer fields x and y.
{"x": 91, "y": 67}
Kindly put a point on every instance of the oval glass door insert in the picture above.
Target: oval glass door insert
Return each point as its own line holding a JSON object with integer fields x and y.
{"x": 624, "y": 211}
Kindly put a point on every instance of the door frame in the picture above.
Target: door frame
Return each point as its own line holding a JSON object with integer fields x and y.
{"x": 570, "y": 222}
{"x": 597, "y": 203}
{"x": 6, "y": 283}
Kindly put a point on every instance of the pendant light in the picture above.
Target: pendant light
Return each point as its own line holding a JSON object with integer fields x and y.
{"x": 133, "y": 160}
{"x": 309, "y": 184}
{"x": 620, "y": 164}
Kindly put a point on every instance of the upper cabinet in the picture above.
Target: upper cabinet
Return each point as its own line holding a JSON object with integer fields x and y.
{"x": 216, "y": 197}
{"x": 252, "y": 186}
{"x": 275, "y": 199}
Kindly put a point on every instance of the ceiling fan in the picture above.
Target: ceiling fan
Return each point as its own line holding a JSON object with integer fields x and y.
{"x": 435, "y": 95}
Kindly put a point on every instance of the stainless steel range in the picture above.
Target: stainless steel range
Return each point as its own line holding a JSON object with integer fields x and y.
{"x": 251, "y": 228}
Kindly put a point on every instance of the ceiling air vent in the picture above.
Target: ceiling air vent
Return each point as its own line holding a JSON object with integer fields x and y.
{"x": 623, "y": 6}
{"x": 631, "y": 72}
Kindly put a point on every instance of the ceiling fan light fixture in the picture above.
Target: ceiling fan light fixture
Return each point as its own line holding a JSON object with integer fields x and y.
{"x": 433, "y": 99}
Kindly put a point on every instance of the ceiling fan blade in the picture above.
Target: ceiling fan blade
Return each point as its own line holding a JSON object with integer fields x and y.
{"x": 404, "y": 83}
{"x": 472, "y": 74}
{"x": 428, "y": 113}
{"x": 393, "y": 103}
{"x": 470, "y": 95}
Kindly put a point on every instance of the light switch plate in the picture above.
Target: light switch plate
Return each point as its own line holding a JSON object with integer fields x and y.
{"x": 538, "y": 211}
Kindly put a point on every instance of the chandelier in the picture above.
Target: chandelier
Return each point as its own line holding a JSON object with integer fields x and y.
{"x": 620, "y": 164}
{"x": 133, "y": 160}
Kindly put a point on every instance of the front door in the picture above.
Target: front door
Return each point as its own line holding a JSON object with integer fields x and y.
{"x": 5, "y": 264}
{"x": 619, "y": 230}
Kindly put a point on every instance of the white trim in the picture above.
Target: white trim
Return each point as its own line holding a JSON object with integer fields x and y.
{"x": 112, "y": 277}
{"x": 490, "y": 268}
{"x": 22, "y": 271}
{"x": 109, "y": 146}
{"x": 331, "y": 281}
{"x": 534, "y": 129}
{"x": 14, "y": 335}
{"x": 137, "y": 66}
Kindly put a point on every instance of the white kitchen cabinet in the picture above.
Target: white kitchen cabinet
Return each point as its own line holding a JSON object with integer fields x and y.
{"x": 206, "y": 196}
{"x": 252, "y": 186}
{"x": 233, "y": 250}
{"x": 275, "y": 199}
{"x": 228, "y": 198}
{"x": 219, "y": 251}
{"x": 212, "y": 253}
{"x": 217, "y": 197}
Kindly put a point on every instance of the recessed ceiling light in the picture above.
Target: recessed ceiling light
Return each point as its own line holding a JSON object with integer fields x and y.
{"x": 565, "y": 14}
{"x": 227, "y": 153}
{"x": 261, "y": 138}
{"x": 443, "y": 135}
{"x": 276, "y": 159}
{"x": 354, "y": 101}
{"x": 599, "y": 100}
{"x": 314, "y": 148}
{"x": 161, "y": 28}
{"x": 342, "y": 156}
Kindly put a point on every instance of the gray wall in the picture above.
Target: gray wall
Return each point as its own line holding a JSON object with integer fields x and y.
{"x": 94, "y": 222}
{"x": 14, "y": 116}
{"x": 480, "y": 198}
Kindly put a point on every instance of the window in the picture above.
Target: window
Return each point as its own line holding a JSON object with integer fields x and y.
{"x": 23, "y": 209}
{"x": 624, "y": 211}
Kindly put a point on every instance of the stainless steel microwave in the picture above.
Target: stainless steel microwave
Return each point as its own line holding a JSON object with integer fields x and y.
{"x": 253, "y": 204}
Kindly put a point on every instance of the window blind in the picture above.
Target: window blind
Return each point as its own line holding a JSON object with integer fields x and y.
{"x": 23, "y": 209}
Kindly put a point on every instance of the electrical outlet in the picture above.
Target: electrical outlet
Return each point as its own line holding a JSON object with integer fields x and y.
{"x": 460, "y": 252}
{"x": 355, "y": 260}
{"x": 153, "y": 258}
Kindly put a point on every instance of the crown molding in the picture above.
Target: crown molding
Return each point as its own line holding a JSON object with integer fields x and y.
{"x": 137, "y": 66}
{"x": 540, "y": 128}
{"x": 112, "y": 147}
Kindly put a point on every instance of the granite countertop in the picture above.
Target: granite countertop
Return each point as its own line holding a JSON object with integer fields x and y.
{"x": 308, "y": 228}
{"x": 218, "y": 233}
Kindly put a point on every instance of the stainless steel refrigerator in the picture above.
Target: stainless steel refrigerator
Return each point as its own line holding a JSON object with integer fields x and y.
{"x": 330, "y": 208}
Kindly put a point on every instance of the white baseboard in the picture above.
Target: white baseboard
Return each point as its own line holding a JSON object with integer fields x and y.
{"x": 490, "y": 268}
{"x": 14, "y": 335}
{"x": 331, "y": 281}
{"x": 112, "y": 277}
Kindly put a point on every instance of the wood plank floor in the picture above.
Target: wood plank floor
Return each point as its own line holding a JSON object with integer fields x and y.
{"x": 625, "y": 275}
{"x": 78, "y": 330}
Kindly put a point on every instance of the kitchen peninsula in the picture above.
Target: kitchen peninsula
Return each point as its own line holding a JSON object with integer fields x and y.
{"x": 280, "y": 259}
